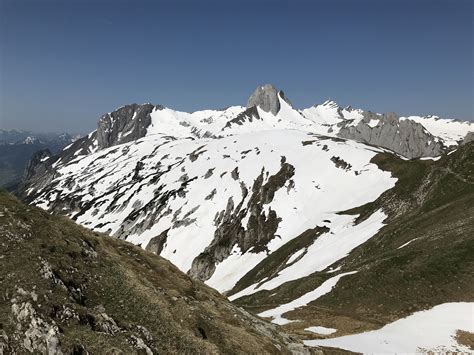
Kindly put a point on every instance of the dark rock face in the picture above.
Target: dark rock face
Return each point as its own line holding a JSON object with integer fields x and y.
{"x": 123, "y": 125}
{"x": 37, "y": 163}
{"x": 341, "y": 163}
{"x": 249, "y": 115}
{"x": 156, "y": 243}
{"x": 126, "y": 124}
{"x": 404, "y": 137}
{"x": 267, "y": 98}
{"x": 469, "y": 138}
{"x": 260, "y": 229}
{"x": 39, "y": 171}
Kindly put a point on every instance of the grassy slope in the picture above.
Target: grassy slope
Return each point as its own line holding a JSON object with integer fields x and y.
{"x": 104, "y": 295}
{"x": 432, "y": 201}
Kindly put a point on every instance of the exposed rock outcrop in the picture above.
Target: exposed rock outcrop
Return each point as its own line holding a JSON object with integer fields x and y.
{"x": 249, "y": 115}
{"x": 38, "y": 163}
{"x": 469, "y": 138}
{"x": 260, "y": 229}
{"x": 404, "y": 137}
{"x": 132, "y": 301}
{"x": 267, "y": 98}
{"x": 39, "y": 171}
{"x": 125, "y": 124}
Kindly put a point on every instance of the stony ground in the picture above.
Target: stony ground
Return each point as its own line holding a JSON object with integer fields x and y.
{"x": 65, "y": 289}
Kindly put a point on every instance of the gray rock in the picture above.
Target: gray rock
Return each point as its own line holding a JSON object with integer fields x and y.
{"x": 126, "y": 124}
{"x": 267, "y": 98}
{"x": 469, "y": 138}
{"x": 38, "y": 172}
{"x": 261, "y": 226}
{"x": 37, "y": 163}
{"x": 406, "y": 137}
{"x": 38, "y": 335}
{"x": 123, "y": 125}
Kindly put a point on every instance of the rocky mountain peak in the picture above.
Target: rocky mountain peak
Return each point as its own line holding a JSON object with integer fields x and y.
{"x": 330, "y": 103}
{"x": 267, "y": 98}
{"x": 123, "y": 125}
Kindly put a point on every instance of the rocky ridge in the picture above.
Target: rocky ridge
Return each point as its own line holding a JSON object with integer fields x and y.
{"x": 407, "y": 138}
{"x": 131, "y": 122}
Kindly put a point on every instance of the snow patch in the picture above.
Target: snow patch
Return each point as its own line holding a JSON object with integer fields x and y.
{"x": 321, "y": 330}
{"x": 410, "y": 241}
{"x": 330, "y": 247}
{"x": 326, "y": 287}
{"x": 432, "y": 330}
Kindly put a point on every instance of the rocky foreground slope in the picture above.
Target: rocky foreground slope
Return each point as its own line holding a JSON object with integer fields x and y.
{"x": 65, "y": 289}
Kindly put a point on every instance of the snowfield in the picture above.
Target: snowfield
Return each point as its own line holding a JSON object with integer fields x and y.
{"x": 217, "y": 192}
{"x": 433, "y": 331}
{"x": 105, "y": 182}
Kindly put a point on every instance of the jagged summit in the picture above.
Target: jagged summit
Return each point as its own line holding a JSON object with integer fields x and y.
{"x": 330, "y": 103}
{"x": 267, "y": 97}
{"x": 125, "y": 124}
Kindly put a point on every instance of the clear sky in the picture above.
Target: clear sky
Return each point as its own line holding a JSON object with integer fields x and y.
{"x": 64, "y": 63}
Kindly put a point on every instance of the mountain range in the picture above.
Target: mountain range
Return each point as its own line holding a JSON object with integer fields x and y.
{"x": 17, "y": 148}
{"x": 328, "y": 221}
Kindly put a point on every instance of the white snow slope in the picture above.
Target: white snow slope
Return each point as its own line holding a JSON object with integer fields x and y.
{"x": 190, "y": 169}
{"x": 111, "y": 198}
{"x": 432, "y": 331}
{"x": 325, "y": 288}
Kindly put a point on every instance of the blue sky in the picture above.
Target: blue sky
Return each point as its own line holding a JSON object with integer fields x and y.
{"x": 64, "y": 63}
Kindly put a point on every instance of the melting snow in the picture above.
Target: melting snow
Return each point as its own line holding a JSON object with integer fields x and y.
{"x": 431, "y": 158}
{"x": 295, "y": 256}
{"x": 373, "y": 123}
{"x": 325, "y": 288}
{"x": 404, "y": 245}
{"x": 330, "y": 247}
{"x": 321, "y": 330}
{"x": 433, "y": 330}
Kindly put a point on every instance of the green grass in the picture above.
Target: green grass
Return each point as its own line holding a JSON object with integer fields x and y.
{"x": 270, "y": 266}
{"x": 432, "y": 201}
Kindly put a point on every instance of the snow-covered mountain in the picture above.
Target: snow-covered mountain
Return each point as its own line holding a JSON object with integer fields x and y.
{"x": 247, "y": 199}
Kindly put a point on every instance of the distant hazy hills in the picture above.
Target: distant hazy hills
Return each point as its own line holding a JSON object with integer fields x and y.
{"x": 17, "y": 147}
